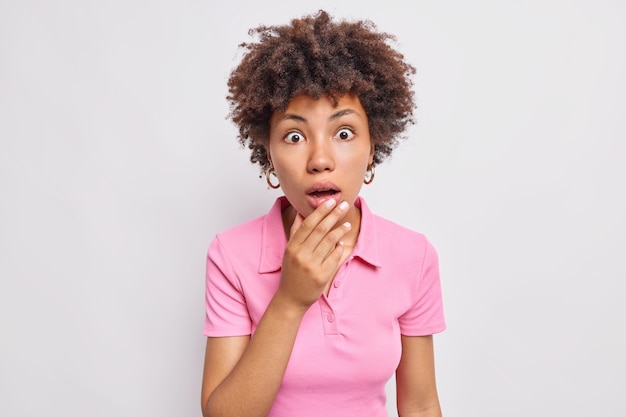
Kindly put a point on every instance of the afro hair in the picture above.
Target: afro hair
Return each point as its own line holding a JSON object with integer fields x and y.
{"x": 318, "y": 56}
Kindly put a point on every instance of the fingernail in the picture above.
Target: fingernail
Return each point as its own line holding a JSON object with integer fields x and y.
{"x": 330, "y": 202}
{"x": 343, "y": 205}
{"x": 347, "y": 224}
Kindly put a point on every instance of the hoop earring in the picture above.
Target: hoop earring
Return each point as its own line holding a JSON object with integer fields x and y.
{"x": 268, "y": 173}
{"x": 369, "y": 177}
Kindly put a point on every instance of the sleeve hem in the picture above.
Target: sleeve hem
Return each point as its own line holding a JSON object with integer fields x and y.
{"x": 424, "y": 331}
{"x": 227, "y": 332}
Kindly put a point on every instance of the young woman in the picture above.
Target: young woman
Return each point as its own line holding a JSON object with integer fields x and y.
{"x": 311, "y": 308}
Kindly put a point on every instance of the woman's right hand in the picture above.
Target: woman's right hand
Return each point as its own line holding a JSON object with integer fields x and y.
{"x": 313, "y": 254}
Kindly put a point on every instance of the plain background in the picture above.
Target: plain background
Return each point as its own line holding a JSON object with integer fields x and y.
{"x": 118, "y": 166}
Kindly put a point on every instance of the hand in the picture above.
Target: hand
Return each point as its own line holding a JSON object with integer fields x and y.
{"x": 313, "y": 253}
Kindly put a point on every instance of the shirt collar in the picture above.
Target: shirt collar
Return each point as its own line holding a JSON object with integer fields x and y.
{"x": 366, "y": 246}
{"x": 274, "y": 240}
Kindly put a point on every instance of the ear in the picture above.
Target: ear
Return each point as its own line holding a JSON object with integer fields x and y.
{"x": 269, "y": 156}
{"x": 372, "y": 151}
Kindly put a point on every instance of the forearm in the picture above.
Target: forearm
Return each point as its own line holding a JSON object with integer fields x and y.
{"x": 432, "y": 411}
{"x": 249, "y": 390}
{"x": 311, "y": 259}
{"x": 416, "y": 388}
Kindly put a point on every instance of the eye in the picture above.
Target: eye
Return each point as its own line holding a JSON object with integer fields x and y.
{"x": 293, "y": 137}
{"x": 344, "y": 134}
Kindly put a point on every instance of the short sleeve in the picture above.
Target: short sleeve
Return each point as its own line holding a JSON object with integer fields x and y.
{"x": 425, "y": 317}
{"x": 226, "y": 310}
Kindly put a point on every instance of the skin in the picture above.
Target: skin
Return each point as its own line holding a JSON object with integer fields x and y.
{"x": 311, "y": 142}
{"x": 314, "y": 142}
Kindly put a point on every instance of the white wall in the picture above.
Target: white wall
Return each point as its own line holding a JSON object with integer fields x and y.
{"x": 117, "y": 167}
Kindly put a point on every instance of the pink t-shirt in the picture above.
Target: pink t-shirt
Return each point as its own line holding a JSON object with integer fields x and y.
{"x": 348, "y": 345}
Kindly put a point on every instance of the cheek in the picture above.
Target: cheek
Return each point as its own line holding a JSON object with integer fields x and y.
{"x": 282, "y": 167}
{"x": 360, "y": 163}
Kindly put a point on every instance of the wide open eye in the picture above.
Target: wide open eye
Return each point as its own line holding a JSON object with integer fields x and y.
{"x": 344, "y": 134}
{"x": 293, "y": 137}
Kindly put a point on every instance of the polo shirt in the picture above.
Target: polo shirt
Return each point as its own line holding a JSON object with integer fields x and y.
{"x": 348, "y": 345}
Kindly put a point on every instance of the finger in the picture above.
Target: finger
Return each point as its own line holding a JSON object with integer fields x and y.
{"x": 313, "y": 219}
{"x": 320, "y": 213}
{"x": 326, "y": 225}
{"x": 332, "y": 262}
{"x": 331, "y": 241}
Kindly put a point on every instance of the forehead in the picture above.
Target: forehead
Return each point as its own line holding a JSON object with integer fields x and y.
{"x": 307, "y": 107}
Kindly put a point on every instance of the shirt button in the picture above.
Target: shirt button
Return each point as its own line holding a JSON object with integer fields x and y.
{"x": 336, "y": 284}
{"x": 330, "y": 318}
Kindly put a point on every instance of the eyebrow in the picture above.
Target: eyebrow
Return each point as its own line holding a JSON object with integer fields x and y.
{"x": 342, "y": 113}
{"x": 334, "y": 116}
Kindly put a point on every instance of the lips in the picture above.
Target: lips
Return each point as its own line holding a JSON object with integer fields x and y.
{"x": 322, "y": 191}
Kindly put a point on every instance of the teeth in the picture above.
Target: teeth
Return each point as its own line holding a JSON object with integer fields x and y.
{"x": 323, "y": 193}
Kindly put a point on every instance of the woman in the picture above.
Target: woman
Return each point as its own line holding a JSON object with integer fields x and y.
{"x": 313, "y": 307}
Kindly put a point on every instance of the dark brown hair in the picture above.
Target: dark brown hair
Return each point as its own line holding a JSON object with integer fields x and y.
{"x": 317, "y": 56}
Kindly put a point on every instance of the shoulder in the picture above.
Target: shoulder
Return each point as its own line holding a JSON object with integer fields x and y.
{"x": 242, "y": 233}
{"x": 391, "y": 228}
{"x": 378, "y": 228}
{"x": 257, "y": 244}
{"x": 401, "y": 249}
{"x": 399, "y": 238}
{"x": 236, "y": 247}
{"x": 253, "y": 231}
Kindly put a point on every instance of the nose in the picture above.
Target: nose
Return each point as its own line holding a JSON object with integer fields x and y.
{"x": 320, "y": 156}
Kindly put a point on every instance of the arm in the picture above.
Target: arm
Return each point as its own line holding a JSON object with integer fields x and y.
{"x": 242, "y": 375}
{"x": 415, "y": 379}
{"x": 220, "y": 357}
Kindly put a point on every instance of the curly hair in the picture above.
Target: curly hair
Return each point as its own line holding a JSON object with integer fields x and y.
{"x": 317, "y": 56}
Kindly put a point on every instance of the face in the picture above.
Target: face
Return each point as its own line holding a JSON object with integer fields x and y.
{"x": 320, "y": 151}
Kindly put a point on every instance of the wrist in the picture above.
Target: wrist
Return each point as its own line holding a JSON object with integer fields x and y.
{"x": 287, "y": 308}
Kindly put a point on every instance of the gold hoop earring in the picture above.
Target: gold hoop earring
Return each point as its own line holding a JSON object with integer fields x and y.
{"x": 268, "y": 173}
{"x": 369, "y": 175}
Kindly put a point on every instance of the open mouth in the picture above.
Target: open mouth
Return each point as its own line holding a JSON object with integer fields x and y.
{"x": 323, "y": 193}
